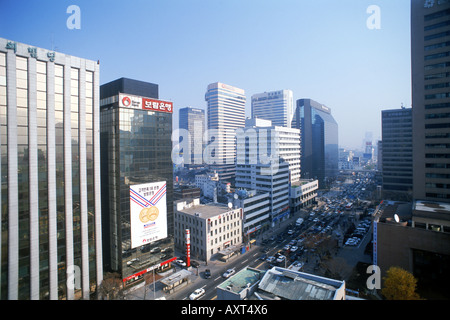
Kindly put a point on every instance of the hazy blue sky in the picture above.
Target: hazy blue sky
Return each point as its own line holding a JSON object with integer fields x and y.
{"x": 320, "y": 49}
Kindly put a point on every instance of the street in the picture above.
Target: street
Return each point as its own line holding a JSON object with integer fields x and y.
{"x": 326, "y": 221}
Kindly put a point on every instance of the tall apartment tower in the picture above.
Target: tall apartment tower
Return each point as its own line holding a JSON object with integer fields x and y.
{"x": 268, "y": 160}
{"x": 50, "y": 174}
{"x": 137, "y": 178}
{"x": 319, "y": 145}
{"x": 430, "y": 54}
{"x": 226, "y": 113}
{"x": 193, "y": 121}
{"x": 276, "y": 106}
{"x": 397, "y": 170}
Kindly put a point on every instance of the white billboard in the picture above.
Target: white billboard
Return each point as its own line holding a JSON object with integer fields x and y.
{"x": 148, "y": 213}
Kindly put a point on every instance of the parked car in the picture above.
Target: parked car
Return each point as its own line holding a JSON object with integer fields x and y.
{"x": 281, "y": 259}
{"x": 195, "y": 264}
{"x": 181, "y": 263}
{"x": 207, "y": 274}
{"x": 155, "y": 250}
{"x": 197, "y": 294}
{"x": 294, "y": 248}
{"x": 228, "y": 273}
{"x": 270, "y": 259}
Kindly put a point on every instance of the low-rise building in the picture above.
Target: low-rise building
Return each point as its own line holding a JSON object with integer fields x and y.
{"x": 302, "y": 193}
{"x": 213, "y": 227}
{"x": 416, "y": 237}
{"x": 240, "y": 286}
{"x": 280, "y": 284}
{"x": 283, "y": 284}
{"x": 256, "y": 208}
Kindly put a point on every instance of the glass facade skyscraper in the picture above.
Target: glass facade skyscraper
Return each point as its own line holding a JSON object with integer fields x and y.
{"x": 319, "y": 140}
{"x": 50, "y": 174}
{"x": 397, "y": 165}
{"x": 193, "y": 121}
{"x": 136, "y": 131}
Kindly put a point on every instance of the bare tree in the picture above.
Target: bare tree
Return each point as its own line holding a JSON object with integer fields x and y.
{"x": 111, "y": 287}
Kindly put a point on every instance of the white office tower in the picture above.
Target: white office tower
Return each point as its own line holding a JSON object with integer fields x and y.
{"x": 268, "y": 160}
{"x": 226, "y": 113}
{"x": 276, "y": 106}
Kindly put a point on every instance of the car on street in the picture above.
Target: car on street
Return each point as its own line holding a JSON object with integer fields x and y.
{"x": 155, "y": 250}
{"x": 294, "y": 248}
{"x": 228, "y": 273}
{"x": 181, "y": 263}
{"x": 270, "y": 259}
{"x": 286, "y": 247}
{"x": 281, "y": 258}
{"x": 207, "y": 274}
{"x": 197, "y": 294}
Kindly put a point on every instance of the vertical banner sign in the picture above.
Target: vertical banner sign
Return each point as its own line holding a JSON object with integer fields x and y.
{"x": 375, "y": 239}
{"x": 148, "y": 213}
{"x": 188, "y": 248}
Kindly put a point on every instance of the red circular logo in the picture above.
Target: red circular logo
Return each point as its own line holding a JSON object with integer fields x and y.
{"x": 126, "y": 101}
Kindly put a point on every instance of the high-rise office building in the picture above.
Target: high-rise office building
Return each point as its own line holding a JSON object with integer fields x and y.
{"x": 319, "y": 145}
{"x": 137, "y": 178}
{"x": 430, "y": 48}
{"x": 397, "y": 154}
{"x": 50, "y": 174}
{"x": 193, "y": 121}
{"x": 276, "y": 106}
{"x": 226, "y": 113}
{"x": 421, "y": 231}
{"x": 268, "y": 160}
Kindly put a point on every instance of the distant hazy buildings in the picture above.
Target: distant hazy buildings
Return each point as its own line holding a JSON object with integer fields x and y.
{"x": 226, "y": 113}
{"x": 319, "y": 137}
{"x": 137, "y": 178}
{"x": 397, "y": 154}
{"x": 50, "y": 175}
{"x": 193, "y": 121}
{"x": 276, "y": 106}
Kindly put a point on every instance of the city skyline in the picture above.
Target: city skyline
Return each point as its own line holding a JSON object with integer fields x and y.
{"x": 257, "y": 46}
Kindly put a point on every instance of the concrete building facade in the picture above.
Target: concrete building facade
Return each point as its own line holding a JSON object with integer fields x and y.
{"x": 213, "y": 228}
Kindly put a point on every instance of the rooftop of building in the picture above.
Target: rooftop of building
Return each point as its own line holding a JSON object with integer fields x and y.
{"x": 431, "y": 206}
{"x": 283, "y": 284}
{"x": 300, "y": 183}
{"x": 206, "y": 211}
{"x": 434, "y": 210}
{"x": 242, "y": 279}
{"x": 388, "y": 210}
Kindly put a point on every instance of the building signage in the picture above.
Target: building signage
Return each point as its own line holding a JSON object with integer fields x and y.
{"x": 148, "y": 213}
{"x": 188, "y": 247}
{"x": 141, "y": 103}
{"x": 156, "y": 266}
